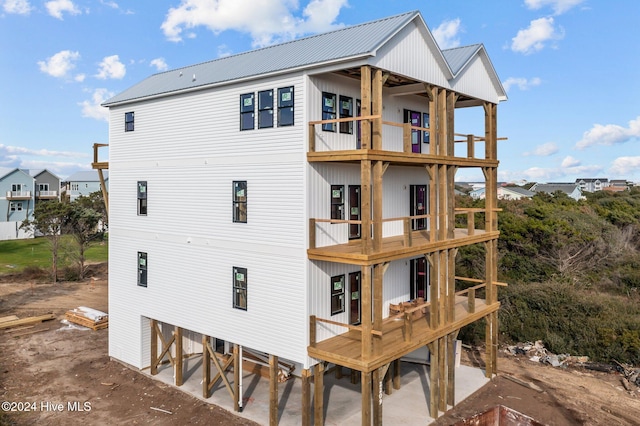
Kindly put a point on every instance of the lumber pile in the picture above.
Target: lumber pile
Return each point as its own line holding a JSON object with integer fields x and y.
{"x": 87, "y": 317}
{"x": 13, "y": 321}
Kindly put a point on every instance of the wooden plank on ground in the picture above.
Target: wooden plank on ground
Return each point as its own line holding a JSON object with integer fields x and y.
{"x": 9, "y": 318}
{"x": 26, "y": 321}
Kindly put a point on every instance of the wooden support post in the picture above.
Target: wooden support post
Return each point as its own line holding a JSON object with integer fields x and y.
{"x": 273, "y": 390}
{"x": 179, "y": 358}
{"x": 406, "y": 138}
{"x": 451, "y": 285}
{"x": 312, "y": 138}
{"x": 451, "y": 373}
{"x": 494, "y": 338}
{"x": 105, "y": 193}
{"x": 471, "y": 301}
{"x": 434, "y": 290}
{"x": 338, "y": 371}
{"x": 434, "y": 385}
{"x": 396, "y": 374}
{"x": 433, "y": 202}
{"x": 365, "y": 311}
{"x": 306, "y": 397}
{"x": 378, "y": 279}
{"x": 442, "y": 373}
{"x": 408, "y": 236}
{"x": 443, "y": 300}
{"x": 471, "y": 153}
{"x": 237, "y": 371}
{"x": 365, "y": 205}
{"x": 377, "y": 206}
{"x": 376, "y": 107}
{"x": 318, "y": 394}
{"x": 312, "y": 331}
{"x": 365, "y": 387}
{"x": 388, "y": 380}
{"x": 206, "y": 366}
{"x": 354, "y": 376}
{"x": 471, "y": 223}
{"x": 312, "y": 233}
{"x": 377, "y": 396}
{"x": 365, "y": 95}
{"x": 433, "y": 119}
{"x": 154, "y": 347}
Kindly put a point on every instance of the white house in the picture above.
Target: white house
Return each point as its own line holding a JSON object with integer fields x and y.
{"x": 287, "y": 200}
{"x": 571, "y": 189}
{"x": 83, "y": 183}
{"x": 504, "y": 193}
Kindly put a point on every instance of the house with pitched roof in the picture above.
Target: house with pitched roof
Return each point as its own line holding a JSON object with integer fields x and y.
{"x": 17, "y": 201}
{"x": 320, "y": 231}
{"x": 83, "y": 183}
{"x": 504, "y": 193}
{"x": 592, "y": 184}
{"x": 572, "y": 190}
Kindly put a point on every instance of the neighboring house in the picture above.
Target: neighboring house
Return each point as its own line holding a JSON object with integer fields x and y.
{"x": 84, "y": 183}
{"x": 620, "y": 183}
{"x": 286, "y": 200}
{"x": 47, "y": 185}
{"x": 17, "y": 201}
{"x": 504, "y": 193}
{"x": 616, "y": 188}
{"x": 592, "y": 185}
{"x": 571, "y": 189}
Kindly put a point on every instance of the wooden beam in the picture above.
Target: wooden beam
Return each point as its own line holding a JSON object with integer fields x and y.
{"x": 378, "y": 376}
{"x": 434, "y": 386}
{"x": 179, "y": 370}
{"x": 376, "y": 108}
{"x": 318, "y": 394}
{"x": 378, "y": 279}
{"x": 377, "y": 205}
{"x": 407, "y": 89}
{"x": 442, "y": 372}
{"x": 365, "y": 205}
{"x": 206, "y": 366}
{"x": 273, "y": 390}
{"x": 365, "y": 96}
{"x": 365, "y": 387}
{"x": 396, "y": 374}
{"x": 451, "y": 373}
{"x": 306, "y": 397}
{"x": 365, "y": 311}
{"x": 154, "y": 347}
{"x": 237, "y": 371}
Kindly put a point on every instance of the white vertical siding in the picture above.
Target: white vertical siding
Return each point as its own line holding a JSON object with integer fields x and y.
{"x": 475, "y": 82}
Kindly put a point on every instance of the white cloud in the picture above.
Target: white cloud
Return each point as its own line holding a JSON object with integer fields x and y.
{"x": 609, "y": 134}
{"x": 111, "y": 67}
{"x": 159, "y": 63}
{"x": 534, "y": 38}
{"x": 521, "y": 83}
{"x": 111, "y": 4}
{"x": 80, "y": 78}
{"x": 17, "y": 150}
{"x": 19, "y": 7}
{"x": 625, "y": 165}
{"x": 57, "y": 7}
{"x": 558, "y": 6}
{"x": 59, "y": 64}
{"x": 446, "y": 34}
{"x": 93, "y": 109}
{"x": 268, "y": 21}
{"x": 569, "y": 161}
{"x": 544, "y": 150}
{"x": 546, "y": 174}
{"x": 223, "y": 50}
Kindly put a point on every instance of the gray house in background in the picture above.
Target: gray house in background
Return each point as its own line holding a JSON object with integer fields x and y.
{"x": 47, "y": 185}
{"x": 592, "y": 184}
{"x": 84, "y": 183}
{"x": 571, "y": 189}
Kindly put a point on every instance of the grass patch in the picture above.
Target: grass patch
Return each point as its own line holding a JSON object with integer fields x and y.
{"x": 17, "y": 255}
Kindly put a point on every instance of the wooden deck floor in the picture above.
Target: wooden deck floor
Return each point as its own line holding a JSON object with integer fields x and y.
{"x": 345, "y": 349}
{"x": 395, "y": 247}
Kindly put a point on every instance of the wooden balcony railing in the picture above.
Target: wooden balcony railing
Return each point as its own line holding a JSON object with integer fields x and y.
{"x": 46, "y": 194}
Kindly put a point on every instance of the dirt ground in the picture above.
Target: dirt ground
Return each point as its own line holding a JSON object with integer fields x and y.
{"x": 64, "y": 376}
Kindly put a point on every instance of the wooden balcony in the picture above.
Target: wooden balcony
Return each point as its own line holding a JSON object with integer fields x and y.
{"x": 400, "y": 334}
{"x": 18, "y": 195}
{"x": 409, "y": 244}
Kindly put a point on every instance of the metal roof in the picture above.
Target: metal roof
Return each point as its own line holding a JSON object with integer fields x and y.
{"x": 345, "y": 43}
{"x": 458, "y": 57}
{"x": 86, "y": 176}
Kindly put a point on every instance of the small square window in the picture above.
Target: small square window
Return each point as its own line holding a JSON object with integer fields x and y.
{"x": 247, "y": 111}
{"x": 142, "y": 269}
{"x": 240, "y": 201}
{"x": 285, "y": 106}
{"x": 128, "y": 121}
{"x": 240, "y": 288}
{"x": 337, "y": 294}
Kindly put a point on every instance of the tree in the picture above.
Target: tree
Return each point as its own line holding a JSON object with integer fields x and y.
{"x": 95, "y": 201}
{"x": 82, "y": 223}
{"x": 49, "y": 219}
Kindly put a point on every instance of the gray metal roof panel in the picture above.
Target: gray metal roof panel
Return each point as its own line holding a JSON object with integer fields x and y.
{"x": 358, "y": 40}
{"x": 86, "y": 176}
{"x": 458, "y": 57}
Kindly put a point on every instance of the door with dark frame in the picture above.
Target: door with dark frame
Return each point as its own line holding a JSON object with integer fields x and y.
{"x": 418, "y": 206}
{"x": 354, "y": 211}
{"x": 354, "y": 298}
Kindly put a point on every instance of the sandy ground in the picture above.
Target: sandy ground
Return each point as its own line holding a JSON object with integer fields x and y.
{"x": 60, "y": 376}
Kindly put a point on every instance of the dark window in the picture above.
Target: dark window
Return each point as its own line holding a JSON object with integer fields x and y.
{"x": 354, "y": 296}
{"x": 285, "y": 106}
{"x": 265, "y": 109}
{"x": 240, "y": 201}
{"x": 337, "y": 294}
{"x": 142, "y": 198}
{"x": 128, "y": 121}
{"x": 337, "y": 202}
{"x": 425, "y": 123}
{"x": 329, "y": 111}
{"x": 142, "y": 269}
{"x": 240, "y": 288}
{"x": 346, "y": 111}
{"x": 415, "y": 118}
{"x": 247, "y": 111}
{"x": 418, "y": 285}
{"x": 418, "y": 203}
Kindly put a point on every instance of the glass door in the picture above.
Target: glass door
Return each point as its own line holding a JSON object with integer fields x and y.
{"x": 354, "y": 296}
{"x": 354, "y": 211}
{"x": 418, "y": 206}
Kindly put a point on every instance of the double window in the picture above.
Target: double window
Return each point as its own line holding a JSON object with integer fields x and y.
{"x": 16, "y": 206}
{"x": 142, "y": 198}
{"x": 240, "y": 201}
{"x": 142, "y": 269}
{"x": 240, "y": 288}
{"x": 128, "y": 121}
{"x": 266, "y": 107}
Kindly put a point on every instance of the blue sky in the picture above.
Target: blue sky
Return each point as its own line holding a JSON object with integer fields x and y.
{"x": 570, "y": 67}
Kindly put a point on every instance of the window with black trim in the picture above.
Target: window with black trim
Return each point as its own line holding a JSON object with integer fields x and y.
{"x": 142, "y": 198}
{"x": 128, "y": 121}
{"x": 285, "y": 106}
{"x": 240, "y": 288}
{"x": 425, "y": 123}
{"x": 329, "y": 111}
{"x": 247, "y": 111}
{"x": 142, "y": 269}
{"x": 337, "y": 294}
{"x": 419, "y": 284}
{"x": 265, "y": 109}
{"x": 16, "y": 206}
{"x": 240, "y": 201}
{"x": 346, "y": 111}
{"x": 337, "y": 202}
